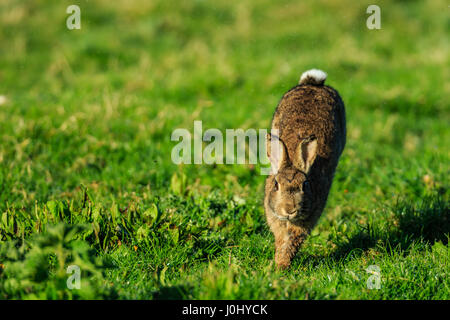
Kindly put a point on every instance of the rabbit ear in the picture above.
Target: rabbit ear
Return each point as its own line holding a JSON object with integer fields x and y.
{"x": 276, "y": 151}
{"x": 306, "y": 154}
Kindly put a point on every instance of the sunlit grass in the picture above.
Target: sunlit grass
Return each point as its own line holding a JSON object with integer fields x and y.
{"x": 85, "y": 124}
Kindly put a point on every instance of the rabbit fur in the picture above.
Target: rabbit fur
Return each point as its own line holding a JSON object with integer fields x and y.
{"x": 308, "y": 135}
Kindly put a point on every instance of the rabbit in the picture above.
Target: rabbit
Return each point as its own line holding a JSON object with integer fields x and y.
{"x": 308, "y": 135}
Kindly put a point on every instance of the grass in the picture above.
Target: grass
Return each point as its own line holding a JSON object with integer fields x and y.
{"x": 86, "y": 176}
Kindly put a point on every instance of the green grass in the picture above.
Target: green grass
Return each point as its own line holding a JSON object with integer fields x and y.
{"x": 86, "y": 176}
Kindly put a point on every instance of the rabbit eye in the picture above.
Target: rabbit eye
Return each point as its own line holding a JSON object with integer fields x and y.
{"x": 306, "y": 185}
{"x": 276, "y": 185}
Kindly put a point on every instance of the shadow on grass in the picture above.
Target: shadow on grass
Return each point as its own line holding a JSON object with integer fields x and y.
{"x": 427, "y": 222}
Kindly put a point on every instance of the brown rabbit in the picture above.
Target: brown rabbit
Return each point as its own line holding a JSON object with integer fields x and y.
{"x": 307, "y": 137}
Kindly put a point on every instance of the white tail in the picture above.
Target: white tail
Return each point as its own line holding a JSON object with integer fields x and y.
{"x": 314, "y": 76}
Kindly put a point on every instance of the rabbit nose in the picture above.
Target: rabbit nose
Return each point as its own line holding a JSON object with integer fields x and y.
{"x": 290, "y": 212}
